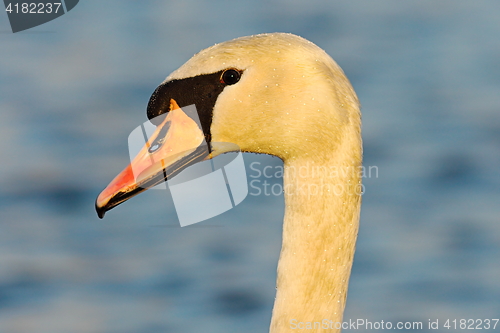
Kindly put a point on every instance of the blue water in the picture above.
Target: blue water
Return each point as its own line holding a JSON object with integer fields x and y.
{"x": 428, "y": 76}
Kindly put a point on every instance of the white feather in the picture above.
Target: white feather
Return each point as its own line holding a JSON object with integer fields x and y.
{"x": 294, "y": 101}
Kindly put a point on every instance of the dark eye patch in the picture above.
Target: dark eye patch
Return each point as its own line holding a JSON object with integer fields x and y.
{"x": 202, "y": 91}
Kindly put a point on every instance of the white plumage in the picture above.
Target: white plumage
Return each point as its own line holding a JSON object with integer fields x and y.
{"x": 293, "y": 101}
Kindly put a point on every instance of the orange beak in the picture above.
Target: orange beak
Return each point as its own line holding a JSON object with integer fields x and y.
{"x": 175, "y": 144}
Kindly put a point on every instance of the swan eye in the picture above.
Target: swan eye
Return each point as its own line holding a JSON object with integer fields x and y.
{"x": 230, "y": 76}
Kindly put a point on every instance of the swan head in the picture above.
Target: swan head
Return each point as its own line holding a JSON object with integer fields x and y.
{"x": 276, "y": 94}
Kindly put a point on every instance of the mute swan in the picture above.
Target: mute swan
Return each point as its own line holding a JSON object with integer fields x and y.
{"x": 276, "y": 94}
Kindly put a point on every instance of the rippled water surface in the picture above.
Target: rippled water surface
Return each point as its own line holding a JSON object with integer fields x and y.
{"x": 428, "y": 76}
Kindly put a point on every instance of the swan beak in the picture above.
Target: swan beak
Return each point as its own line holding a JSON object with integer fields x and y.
{"x": 175, "y": 144}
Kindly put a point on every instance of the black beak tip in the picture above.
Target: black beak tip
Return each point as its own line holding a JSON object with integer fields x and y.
{"x": 100, "y": 211}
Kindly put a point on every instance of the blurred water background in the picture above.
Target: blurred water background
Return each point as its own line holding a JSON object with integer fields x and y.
{"x": 428, "y": 76}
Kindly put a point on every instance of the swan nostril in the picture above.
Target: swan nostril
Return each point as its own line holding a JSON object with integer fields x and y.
{"x": 154, "y": 147}
{"x": 160, "y": 138}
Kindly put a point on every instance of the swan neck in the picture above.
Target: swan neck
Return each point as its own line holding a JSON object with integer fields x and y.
{"x": 322, "y": 203}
